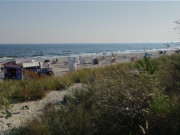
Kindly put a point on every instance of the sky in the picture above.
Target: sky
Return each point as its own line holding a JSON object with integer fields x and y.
{"x": 85, "y": 21}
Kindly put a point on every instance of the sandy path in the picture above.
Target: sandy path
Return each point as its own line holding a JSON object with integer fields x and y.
{"x": 20, "y": 116}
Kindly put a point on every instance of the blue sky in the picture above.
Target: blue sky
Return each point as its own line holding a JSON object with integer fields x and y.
{"x": 87, "y": 21}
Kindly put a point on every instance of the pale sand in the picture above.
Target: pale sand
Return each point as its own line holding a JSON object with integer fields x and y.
{"x": 60, "y": 68}
{"x": 20, "y": 116}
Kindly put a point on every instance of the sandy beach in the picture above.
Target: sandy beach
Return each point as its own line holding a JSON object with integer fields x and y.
{"x": 60, "y": 68}
{"x": 20, "y": 116}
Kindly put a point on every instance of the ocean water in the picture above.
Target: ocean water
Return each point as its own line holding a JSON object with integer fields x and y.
{"x": 50, "y": 51}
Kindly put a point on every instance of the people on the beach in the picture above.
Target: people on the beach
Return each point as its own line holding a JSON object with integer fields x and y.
{"x": 56, "y": 60}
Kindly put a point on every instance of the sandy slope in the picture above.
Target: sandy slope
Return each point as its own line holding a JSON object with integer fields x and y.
{"x": 20, "y": 116}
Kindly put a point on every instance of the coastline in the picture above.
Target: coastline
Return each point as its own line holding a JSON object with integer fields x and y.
{"x": 60, "y": 68}
{"x": 20, "y": 116}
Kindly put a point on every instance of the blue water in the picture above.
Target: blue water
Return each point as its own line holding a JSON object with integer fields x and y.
{"x": 64, "y": 50}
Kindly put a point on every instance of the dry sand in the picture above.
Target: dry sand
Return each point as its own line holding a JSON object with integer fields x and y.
{"x": 20, "y": 116}
{"x": 60, "y": 68}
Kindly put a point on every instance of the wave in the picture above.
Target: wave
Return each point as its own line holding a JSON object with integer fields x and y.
{"x": 94, "y": 52}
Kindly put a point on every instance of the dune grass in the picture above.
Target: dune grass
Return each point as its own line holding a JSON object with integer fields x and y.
{"x": 30, "y": 89}
{"x": 141, "y": 97}
{"x": 34, "y": 87}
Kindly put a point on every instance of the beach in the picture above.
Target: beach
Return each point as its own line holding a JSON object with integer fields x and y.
{"x": 61, "y": 68}
{"x": 35, "y": 108}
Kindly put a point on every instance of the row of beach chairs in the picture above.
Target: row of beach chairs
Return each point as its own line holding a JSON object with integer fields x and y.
{"x": 72, "y": 62}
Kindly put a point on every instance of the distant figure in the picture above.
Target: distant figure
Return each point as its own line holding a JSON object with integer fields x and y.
{"x": 147, "y": 54}
{"x": 40, "y": 65}
{"x": 167, "y": 45}
{"x": 112, "y": 60}
{"x": 56, "y": 60}
{"x": 41, "y": 53}
{"x": 103, "y": 57}
{"x": 132, "y": 59}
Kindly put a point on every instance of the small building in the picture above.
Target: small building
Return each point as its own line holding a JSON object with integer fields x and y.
{"x": 15, "y": 69}
{"x": 31, "y": 66}
{"x": 12, "y": 71}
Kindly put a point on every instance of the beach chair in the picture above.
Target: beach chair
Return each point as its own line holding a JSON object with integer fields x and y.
{"x": 160, "y": 52}
{"x": 112, "y": 60}
{"x": 65, "y": 62}
{"x": 45, "y": 65}
{"x": 96, "y": 61}
{"x": 92, "y": 60}
{"x": 75, "y": 59}
{"x": 72, "y": 66}
{"x": 177, "y": 51}
{"x": 82, "y": 61}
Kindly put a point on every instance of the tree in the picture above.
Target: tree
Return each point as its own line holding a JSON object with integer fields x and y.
{"x": 177, "y": 28}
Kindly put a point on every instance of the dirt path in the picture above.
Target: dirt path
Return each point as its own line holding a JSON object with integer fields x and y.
{"x": 22, "y": 112}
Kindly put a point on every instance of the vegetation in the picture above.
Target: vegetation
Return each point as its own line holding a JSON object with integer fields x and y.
{"x": 146, "y": 65}
{"x": 141, "y": 97}
{"x": 32, "y": 88}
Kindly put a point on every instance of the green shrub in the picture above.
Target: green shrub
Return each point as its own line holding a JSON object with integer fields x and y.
{"x": 116, "y": 102}
{"x": 115, "y": 99}
{"x": 146, "y": 65}
{"x": 169, "y": 73}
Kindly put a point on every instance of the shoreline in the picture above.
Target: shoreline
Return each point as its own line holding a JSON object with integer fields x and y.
{"x": 64, "y": 52}
{"x": 60, "y": 68}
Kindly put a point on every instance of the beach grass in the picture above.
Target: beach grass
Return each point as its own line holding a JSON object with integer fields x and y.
{"x": 140, "y": 97}
{"x": 30, "y": 89}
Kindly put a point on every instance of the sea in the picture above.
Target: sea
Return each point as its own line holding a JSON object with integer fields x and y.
{"x": 62, "y": 50}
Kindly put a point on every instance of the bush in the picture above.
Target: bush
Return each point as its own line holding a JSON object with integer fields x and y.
{"x": 169, "y": 73}
{"x": 146, "y": 65}
{"x": 116, "y": 99}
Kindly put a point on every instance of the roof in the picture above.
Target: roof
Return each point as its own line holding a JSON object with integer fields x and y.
{"x": 22, "y": 60}
{"x": 11, "y": 65}
{"x": 30, "y": 64}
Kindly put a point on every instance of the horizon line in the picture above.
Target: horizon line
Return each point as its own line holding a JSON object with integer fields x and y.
{"x": 94, "y": 42}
